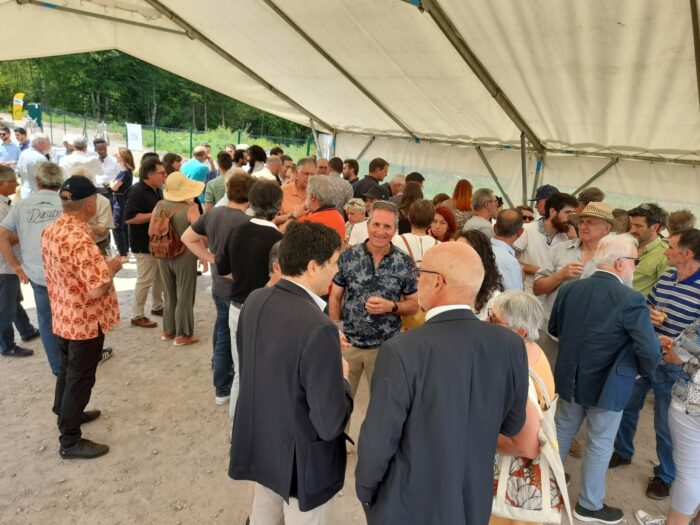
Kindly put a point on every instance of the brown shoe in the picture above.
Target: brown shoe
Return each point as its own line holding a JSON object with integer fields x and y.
{"x": 158, "y": 312}
{"x": 575, "y": 450}
{"x": 166, "y": 336}
{"x": 185, "y": 340}
{"x": 143, "y": 322}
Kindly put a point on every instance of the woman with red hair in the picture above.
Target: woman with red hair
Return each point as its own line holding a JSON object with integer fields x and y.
{"x": 444, "y": 225}
{"x": 461, "y": 202}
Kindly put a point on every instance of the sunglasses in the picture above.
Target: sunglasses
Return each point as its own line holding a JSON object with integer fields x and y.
{"x": 528, "y": 218}
{"x": 636, "y": 260}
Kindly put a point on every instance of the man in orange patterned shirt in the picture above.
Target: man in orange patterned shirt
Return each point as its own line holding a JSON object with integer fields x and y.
{"x": 84, "y": 307}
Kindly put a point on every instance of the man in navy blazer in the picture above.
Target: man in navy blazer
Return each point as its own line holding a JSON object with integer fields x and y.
{"x": 606, "y": 339}
{"x": 441, "y": 394}
{"x": 293, "y": 402}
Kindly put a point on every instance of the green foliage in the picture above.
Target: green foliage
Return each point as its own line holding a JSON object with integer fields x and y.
{"x": 113, "y": 86}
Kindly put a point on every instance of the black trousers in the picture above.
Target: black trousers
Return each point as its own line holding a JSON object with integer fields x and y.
{"x": 76, "y": 377}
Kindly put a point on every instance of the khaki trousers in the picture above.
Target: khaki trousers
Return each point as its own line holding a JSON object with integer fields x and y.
{"x": 270, "y": 509}
{"x": 147, "y": 278}
{"x": 360, "y": 359}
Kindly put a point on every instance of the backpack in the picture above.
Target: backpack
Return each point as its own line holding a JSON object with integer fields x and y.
{"x": 163, "y": 240}
{"x": 533, "y": 489}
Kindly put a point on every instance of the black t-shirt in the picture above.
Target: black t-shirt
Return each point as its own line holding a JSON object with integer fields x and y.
{"x": 216, "y": 225}
{"x": 140, "y": 198}
{"x": 247, "y": 257}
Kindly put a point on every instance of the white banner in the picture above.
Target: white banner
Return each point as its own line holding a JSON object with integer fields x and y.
{"x": 134, "y": 137}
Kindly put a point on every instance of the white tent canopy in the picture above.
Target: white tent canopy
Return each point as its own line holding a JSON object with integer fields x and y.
{"x": 586, "y": 81}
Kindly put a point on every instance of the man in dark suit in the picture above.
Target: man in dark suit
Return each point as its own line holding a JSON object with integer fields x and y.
{"x": 441, "y": 394}
{"x": 605, "y": 340}
{"x": 293, "y": 402}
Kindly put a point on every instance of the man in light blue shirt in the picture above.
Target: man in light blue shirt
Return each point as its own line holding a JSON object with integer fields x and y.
{"x": 28, "y": 220}
{"x": 195, "y": 168}
{"x": 9, "y": 151}
{"x": 30, "y": 160}
{"x": 508, "y": 227}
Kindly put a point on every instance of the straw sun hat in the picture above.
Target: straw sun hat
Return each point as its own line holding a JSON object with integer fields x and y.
{"x": 597, "y": 210}
{"x": 178, "y": 188}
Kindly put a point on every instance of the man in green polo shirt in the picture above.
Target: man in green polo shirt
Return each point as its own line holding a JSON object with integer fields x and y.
{"x": 645, "y": 222}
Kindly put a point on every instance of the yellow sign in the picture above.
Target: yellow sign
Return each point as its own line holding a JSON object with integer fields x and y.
{"x": 18, "y": 106}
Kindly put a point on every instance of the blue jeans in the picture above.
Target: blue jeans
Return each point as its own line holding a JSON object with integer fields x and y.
{"x": 48, "y": 338}
{"x": 222, "y": 362}
{"x": 601, "y": 428}
{"x": 12, "y": 312}
{"x": 661, "y": 382}
{"x": 120, "y": 231}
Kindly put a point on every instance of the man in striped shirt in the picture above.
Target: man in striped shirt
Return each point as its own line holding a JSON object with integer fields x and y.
{"x": 674, "y": 304}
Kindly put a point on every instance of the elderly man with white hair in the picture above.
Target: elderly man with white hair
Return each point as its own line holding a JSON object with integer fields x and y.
{"x": 606, "y": 340}
{"x": 80, "y": 159}
{"x": 29, "y": 160}
{"x": 420, "y": 459}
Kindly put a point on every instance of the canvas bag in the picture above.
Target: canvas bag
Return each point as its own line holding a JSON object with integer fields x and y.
{"x": 163, "y": 240}
{"x": 533, "y": 489}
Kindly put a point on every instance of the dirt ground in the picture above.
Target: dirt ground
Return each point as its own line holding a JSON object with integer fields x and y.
{"x": 169, "y": 442}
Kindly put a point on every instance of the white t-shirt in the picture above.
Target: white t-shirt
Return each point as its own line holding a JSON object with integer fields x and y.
{"x": 110, "y": 168}
{"x": 82, "y": 159}
{"x": 418, "y": 244}
{"x": 534, "y": 248}
{"x": 359, "y": 234}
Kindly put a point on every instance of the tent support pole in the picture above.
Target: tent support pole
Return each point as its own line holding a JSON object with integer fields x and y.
{"x": 335, "y": 134}
{"x": 299, "y": 31}
{"x": 523, "y": 163}
{"x": 695, "y": 15}
{"x": 450, "y": 31}
{"x": 364, "y": 150}
{"x": 194, "y": 34}
{"x": 596, "y": 176}
{"x": 315, "y": 134}
{"x": 493, "y": 176}
{"x": 99, "y": 16}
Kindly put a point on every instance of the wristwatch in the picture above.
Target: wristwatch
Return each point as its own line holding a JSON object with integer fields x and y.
{"x": 395, "y": 308}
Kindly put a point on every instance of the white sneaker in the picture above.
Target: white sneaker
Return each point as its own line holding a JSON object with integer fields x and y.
{"x": 221, "y": 400}
{"x": 644, "y": 518}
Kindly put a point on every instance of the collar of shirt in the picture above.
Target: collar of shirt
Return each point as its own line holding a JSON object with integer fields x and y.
{"x": 319, "y": 302}
{"x": 446, "y": 308}
{"x": 598, "y": 270}
{"x": 263, "y": 222}
{"x": 503, "y": 244}
{"x": 653, "y": 245}
{"x": 4, "y": 199}
{"x": 364, "y": 246}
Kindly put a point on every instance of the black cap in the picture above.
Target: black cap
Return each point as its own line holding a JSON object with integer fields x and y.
{"x": 373, "y": 193}
{"x": 76, "y": 188}
{"x": 544, "y": 192}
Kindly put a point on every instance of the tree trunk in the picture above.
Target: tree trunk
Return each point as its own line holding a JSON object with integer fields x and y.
{"x": 206, "y": 122}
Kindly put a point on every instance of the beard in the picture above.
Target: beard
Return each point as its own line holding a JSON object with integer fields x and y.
{"x": 559, "y": 225}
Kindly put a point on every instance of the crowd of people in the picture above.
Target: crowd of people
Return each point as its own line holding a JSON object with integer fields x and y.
{"x": 466, "y": 318}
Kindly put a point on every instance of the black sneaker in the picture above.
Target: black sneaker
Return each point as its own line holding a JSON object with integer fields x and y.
{"x": 658, "y": 489}
{"x": 83, "y": 449}
{"x": 17, "y": 351}
{"x": 90, "y": 415}
{"x": 609, "y": 515}
{"x": 106, "y": 354}
{"x": 617, "y": 460}
{"x": 31, "y": 336}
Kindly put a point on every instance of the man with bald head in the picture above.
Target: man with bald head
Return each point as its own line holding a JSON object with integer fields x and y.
{"x": 441, "y": 395}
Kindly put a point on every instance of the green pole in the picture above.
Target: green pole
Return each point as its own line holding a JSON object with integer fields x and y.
{"x": 126, "y": 134}
{"x": 64, "y": 125}
{"x": 154, "y": 138}
{"x": 308, "y": 146}
{"x": 238, "y": 140}
{"x": 191, "y": 131}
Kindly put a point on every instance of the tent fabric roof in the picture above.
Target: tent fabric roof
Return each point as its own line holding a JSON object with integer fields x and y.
{"x": 601, "y": 75}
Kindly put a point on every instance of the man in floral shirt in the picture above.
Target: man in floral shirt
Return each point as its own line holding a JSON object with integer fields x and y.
{"x": 373, "y": 288}
{"x": 84, "y": 307}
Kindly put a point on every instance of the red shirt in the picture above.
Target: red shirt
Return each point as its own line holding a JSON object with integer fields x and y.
{"x": 328, "y": 216}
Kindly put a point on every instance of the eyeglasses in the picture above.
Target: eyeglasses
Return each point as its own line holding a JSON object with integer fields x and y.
{"x": 636, "y": 260}
{"x": 417, "y": 272}
{"x": 528, "y": 218}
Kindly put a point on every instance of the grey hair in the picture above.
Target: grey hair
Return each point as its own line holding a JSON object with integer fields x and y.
{"x": 272, "y": 160}
{"x": 398, "y": 178}
{"x": 37, "y": 139}
{"x": 305, "y": 161}
{"x": 521, "y": 310}
{"x": 80, "y": 143}
{"x": 321, "y": 188}
{"x": 49, "y": 175}
{"x": 7, "y": 173}
{"x": 388, "y": 206}
{"x": 80, "y": 171}
{"x": 613, "y": 247}
{"x": 481, "y": 197}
